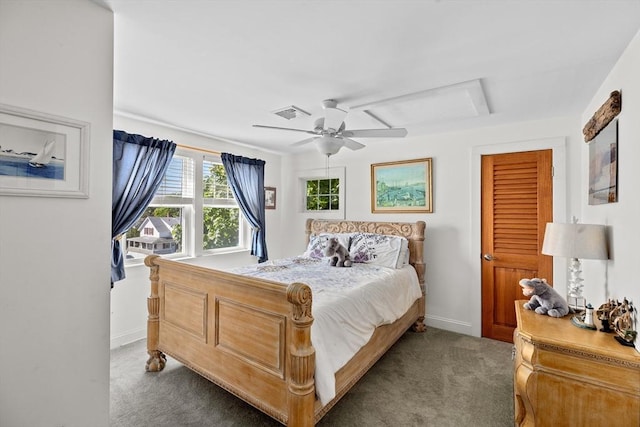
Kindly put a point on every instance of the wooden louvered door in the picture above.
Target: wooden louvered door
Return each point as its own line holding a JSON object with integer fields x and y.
{"x": 517, "y": 198}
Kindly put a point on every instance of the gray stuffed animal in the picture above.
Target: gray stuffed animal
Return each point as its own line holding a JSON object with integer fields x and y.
{"x": 339, "y": 254}
{"x": 543, "y": 298}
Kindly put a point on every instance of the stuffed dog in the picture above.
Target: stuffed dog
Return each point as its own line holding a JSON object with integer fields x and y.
{"x": 339, "y": 254}
{"x": 543, "y": 298}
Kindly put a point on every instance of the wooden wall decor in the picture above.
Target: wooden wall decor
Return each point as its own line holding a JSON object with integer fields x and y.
{"x": 607, "y": 112}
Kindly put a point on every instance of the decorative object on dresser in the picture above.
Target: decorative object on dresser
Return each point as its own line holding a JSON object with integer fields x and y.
{"x": 622, "y": 318}
{"x": 565, "y": 375}
{"x": 543, "y": 299}
{"x": 575, "y": 241}
{"x": 585, "y": 318}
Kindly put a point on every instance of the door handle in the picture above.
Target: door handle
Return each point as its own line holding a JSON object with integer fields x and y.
{"x": 488, "y": 257}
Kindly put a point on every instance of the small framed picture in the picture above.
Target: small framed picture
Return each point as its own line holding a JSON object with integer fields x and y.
{"x": 42, "y": 154}
{"x": 269, "y": 197}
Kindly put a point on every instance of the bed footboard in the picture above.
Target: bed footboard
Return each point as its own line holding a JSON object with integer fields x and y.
{"x": 252, "y": 337}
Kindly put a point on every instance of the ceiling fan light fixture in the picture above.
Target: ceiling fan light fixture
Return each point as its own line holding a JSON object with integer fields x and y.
{"x": 329, "y": 145}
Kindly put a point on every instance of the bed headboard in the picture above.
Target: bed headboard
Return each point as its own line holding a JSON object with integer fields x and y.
{"x": 413, "y": 231}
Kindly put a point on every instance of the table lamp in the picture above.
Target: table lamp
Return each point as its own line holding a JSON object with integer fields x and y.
{"x": 575, "y": 241}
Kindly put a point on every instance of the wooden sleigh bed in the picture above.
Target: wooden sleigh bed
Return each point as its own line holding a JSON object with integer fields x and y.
{"x": 252, "y": 336}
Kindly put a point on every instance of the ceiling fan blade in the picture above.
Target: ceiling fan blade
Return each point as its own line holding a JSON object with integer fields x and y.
{"x": 333, "y": 118}
{"x": 289, "y": 129}
{"x": 375, "y": 133}
{"x": 304, "y": 141}
{"x": 354, "y": 145}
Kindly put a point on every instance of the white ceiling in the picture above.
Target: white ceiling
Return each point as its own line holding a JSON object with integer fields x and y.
{"x": 218, "y": 67}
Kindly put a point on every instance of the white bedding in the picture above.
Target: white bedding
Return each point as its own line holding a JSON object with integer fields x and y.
{"x": 348, "y": 304}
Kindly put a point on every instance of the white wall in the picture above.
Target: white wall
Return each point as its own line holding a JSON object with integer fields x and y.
{"x": 56, "y": 58}
{"x": 129, "y": 296}
{"x": 617, "y": 277}
{"x": 452, "y": 246}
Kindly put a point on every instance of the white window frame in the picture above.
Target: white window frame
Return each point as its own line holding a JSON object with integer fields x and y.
{"x": 243, "y": 226}
{"x": 192, "y": 212}
{"x": 314, "y": 174}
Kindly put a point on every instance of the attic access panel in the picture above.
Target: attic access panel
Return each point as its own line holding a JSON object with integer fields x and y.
{"x": 457, "y": 101}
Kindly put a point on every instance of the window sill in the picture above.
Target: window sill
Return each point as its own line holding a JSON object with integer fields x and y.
{"x": 210, "y": 253}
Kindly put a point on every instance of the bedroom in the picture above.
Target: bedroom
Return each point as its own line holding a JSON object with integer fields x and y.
{"x": 57, "y": 294}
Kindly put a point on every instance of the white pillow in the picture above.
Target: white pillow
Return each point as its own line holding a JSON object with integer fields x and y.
{"x": 317, "y": 243}
{"x": 379, "y": 249}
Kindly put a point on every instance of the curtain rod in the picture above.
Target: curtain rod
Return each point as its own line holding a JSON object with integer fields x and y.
{"x": 189, "y": 147}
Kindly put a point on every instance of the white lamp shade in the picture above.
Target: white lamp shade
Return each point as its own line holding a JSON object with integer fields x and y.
{"x": 328, "y": 145}
{"x": 582, "y": 241}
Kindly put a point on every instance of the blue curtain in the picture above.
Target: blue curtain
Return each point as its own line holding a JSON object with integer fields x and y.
{"x": 246, "y": 178}
{"x": 139, "y": 164}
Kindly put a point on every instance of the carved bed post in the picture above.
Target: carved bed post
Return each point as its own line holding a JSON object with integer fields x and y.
{"x": 417, "y": 253}
{"x": 302, "y": 358}
{"x": 156, "y": 359}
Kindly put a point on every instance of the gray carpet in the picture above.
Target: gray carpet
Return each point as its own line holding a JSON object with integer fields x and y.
{"x": 436, "y": 378}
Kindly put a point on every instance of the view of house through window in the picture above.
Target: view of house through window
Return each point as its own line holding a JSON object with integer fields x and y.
{"x": 158, "y": 231}
{"x": 176, "y": 220}
{"x": 323, "y": 194}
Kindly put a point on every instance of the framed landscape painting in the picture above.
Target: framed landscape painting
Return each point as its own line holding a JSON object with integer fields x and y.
{"x": 402, "y": 187}
{"x": 42, "y": 154}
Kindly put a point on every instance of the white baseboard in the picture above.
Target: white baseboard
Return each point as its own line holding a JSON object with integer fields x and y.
{"x": 128, "y": 338}
{"x": 451, "y": 325}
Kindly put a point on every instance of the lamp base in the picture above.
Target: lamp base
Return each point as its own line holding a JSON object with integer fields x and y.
{"x": 578, "y": 303}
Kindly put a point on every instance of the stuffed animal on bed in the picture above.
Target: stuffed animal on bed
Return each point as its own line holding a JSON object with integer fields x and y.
{"x": 339, "y": 254}
{"x": 543, "y": 298}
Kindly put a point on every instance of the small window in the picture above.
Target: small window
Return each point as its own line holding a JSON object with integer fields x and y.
{"x": 323, "y": 194}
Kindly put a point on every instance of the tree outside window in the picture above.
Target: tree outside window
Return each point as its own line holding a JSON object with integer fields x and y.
{"x": 323, "y": 194}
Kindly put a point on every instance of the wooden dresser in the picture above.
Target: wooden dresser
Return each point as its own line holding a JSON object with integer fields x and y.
{"x": 568, "y": 376}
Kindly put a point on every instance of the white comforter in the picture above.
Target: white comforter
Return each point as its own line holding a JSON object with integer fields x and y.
{"x": 348, "y": 304}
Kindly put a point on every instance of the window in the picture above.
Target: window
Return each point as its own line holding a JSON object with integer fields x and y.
{"x": 322, "y": 192}
{"x": 179, "y": 224}
{"x": 221, "y": 216}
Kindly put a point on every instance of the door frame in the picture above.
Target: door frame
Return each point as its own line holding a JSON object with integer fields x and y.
{"x": 558, "y": 145}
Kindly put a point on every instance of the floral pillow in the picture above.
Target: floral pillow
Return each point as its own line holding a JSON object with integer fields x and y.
{"x": 317, "y": 243}
{"x": 380, "y": 249}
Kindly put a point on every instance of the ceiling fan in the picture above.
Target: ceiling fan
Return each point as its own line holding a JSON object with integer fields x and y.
{"x": 330, "y": 134}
